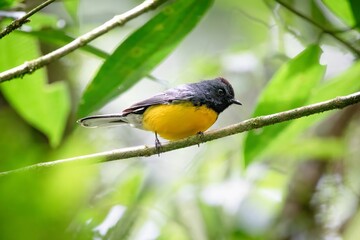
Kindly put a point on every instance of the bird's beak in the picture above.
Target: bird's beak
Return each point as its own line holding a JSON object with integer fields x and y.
{"x": 234, "y": 101}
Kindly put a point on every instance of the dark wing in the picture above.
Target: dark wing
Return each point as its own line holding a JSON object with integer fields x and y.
{"x": 180, "y": 93}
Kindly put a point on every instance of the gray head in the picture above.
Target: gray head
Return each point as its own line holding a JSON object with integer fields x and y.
{"x": 217, "y": 94}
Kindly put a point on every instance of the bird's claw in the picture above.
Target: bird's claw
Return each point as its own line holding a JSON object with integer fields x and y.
{"x": 157, "y": 144}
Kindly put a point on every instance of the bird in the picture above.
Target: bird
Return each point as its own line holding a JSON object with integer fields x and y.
{"x": 176, "y": 113}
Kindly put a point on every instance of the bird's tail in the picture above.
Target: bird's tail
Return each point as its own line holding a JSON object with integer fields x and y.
{"x": 106, "y": 120}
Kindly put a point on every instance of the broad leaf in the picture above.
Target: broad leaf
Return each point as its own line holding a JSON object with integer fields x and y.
{"x": 142, "y": 51}
{"x": 59, "y": 38}
{"x": 16, "y": 134}
{"x": 320, "y": 148}
{"x": 289, "y": 88}
{"x": 343, "y": 10}
{"x": 44, "y": 106}
{"x": 355, "y": 8}
{"x": 43, "y": 21}
{"x": 71, "y": 7}
{"x": 7, "y": 3}
{"x": 344, "y": 84}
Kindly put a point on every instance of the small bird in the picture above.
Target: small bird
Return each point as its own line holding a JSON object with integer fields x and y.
{"x": 176, "y": 113}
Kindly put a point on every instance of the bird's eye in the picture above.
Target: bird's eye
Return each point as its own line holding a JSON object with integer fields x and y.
{"x": 221, "y": 92}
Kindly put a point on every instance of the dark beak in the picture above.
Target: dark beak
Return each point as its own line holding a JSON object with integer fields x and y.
{"x": 234, "y": 101}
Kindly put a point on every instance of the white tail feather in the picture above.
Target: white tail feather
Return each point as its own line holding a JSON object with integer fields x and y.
{"x": 103, "y": 120}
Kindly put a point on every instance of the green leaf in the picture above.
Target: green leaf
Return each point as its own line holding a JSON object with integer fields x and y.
{"x": 319, "y": 148}
{"x": 44, "y": 201}
{"x": 43, "y": 21}
{"x": 44, "y": 106}
{"x": 344, "y": 84}
{"x": 355, "y": 8}
{"x": 7, "y": 3}
{"x": 343, "y": 10}
{"x": 141, "y": 52}
{"x": 33, "y": 147}
{"x": 289, "y": 88}
{"x": 44, "y": 27}
{"x": 71, "y": 7}
{"x": 59, "y": 38}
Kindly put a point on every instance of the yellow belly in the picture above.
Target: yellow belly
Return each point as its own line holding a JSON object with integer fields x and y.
{"x": 177, "y": 121}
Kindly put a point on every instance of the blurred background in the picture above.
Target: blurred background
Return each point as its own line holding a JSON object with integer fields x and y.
{"x": 299, "y": 181}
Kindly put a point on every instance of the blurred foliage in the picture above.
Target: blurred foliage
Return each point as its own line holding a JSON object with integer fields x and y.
{"x": 51, "y": 101}
{"x": 296, "y": 180}
{"x": 289, "y": 88}
{"x": 72, "y": 7}
{"x": 343, "y": 10}
{"x": 142, "y": 51}
{"x": 5, "y": 4}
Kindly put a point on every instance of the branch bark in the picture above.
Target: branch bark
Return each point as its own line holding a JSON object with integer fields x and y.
{"x": 247, "y": 125}
{"x": 24, "y": 19}
{"x": 119, "y": 20}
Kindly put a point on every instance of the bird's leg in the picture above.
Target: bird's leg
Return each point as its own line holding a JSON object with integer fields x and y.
{"x": 157, "y": 144}
{"x": 201, "y": 136}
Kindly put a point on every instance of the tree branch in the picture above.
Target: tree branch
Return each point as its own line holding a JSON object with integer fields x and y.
{"x": 119, "y": 20}
{"x": 331, "y": 33}
{"x": 247, "y": 125}
{"x": 24, "y": 19}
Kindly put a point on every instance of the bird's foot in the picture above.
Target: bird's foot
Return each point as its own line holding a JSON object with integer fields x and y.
{"x": 157, "y": 144}
{"x": 201, "y": 136}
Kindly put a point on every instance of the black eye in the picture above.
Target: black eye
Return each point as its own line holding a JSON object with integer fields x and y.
{"x": 221, "y": 92}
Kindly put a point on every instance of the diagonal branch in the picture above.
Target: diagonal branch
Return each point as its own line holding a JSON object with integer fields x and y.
{"x": 331, "y": 33}
{"x": 119, "y": 20}
{"x": 24, "y": 19}
{"x": 247, "y": 125}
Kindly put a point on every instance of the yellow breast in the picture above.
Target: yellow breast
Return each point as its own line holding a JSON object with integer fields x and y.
{"x": 177, "y": 121}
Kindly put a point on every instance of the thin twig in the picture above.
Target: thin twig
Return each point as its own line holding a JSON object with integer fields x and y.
{"x": 24, "y": 19}
{"x": 318, "y": 25}
{"x": 253, "y": 18}
{"x": 119, "y": 20}
{"x": 247, "y": 125}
